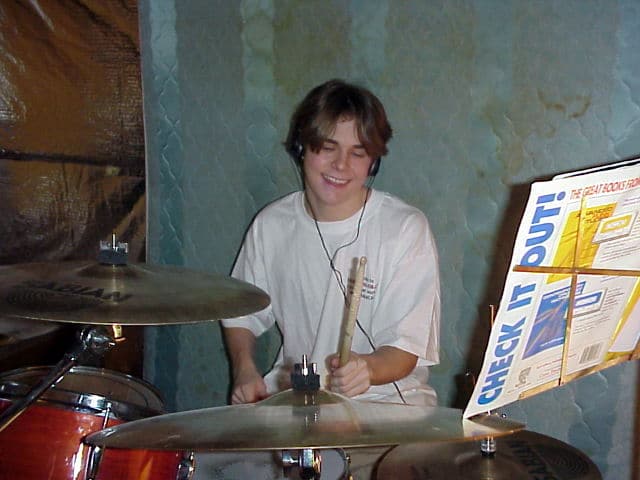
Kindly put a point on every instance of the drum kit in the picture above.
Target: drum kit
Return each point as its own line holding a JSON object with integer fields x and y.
{"x": 74, "y": 422}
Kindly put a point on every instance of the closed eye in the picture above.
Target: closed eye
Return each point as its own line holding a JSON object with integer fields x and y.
{"x": 328, "y": 147}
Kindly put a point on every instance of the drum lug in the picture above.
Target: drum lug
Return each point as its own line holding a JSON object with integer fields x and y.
{"x": 93, "y": 462}
{"x": 187, "y": 467}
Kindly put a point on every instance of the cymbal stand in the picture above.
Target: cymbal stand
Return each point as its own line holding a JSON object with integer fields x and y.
{"x": 305, "y": 379}
{"x": 487, "y": 444}
{"x": 308, "y": 461}
{"x": 92, "y": 340}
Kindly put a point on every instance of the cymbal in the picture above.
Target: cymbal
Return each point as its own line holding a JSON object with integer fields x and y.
{"x": 297, "y": 420}
{"x": 522, "y": 455}
{"x": 131, "y": 294}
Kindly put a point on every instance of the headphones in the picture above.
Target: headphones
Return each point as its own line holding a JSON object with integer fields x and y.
{"x": 298, "y": 154}
{"x": 375, "y": 167}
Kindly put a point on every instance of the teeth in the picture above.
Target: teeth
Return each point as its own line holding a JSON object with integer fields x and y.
{"x": 335, "y": 180}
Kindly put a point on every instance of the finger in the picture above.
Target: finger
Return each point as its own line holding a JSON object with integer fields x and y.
{"x": 246, "y": 393}
{"x": 261, "y": 392}
{"x": 353, "y": 378}
{"x": 236, "y": 398}
{"x": 343, "y": 384}
{"x": 347, "y": 369}
{"x": 360, "y": 385}
{"x": 333, "y": 361}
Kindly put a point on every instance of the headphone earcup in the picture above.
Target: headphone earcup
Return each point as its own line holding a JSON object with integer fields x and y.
{"x": 375, "y": 167}
{"x": 298, "y": 151}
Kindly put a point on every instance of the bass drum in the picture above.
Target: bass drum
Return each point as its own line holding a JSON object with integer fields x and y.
{"x": 45, "y": 441}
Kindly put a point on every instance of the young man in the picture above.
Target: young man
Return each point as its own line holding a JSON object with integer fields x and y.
{"x": 302, "y": 250}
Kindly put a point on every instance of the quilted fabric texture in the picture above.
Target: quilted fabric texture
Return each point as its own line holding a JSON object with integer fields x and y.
{"x": 485, "y": 97}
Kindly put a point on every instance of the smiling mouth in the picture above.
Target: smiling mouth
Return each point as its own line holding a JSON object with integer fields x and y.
{"x": 334, "y": 180}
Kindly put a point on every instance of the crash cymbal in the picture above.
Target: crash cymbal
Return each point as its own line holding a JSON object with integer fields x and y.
{"x": 298, "y": 420}
{"x": 522, "y": 455}
{"x": 130, "y": 294}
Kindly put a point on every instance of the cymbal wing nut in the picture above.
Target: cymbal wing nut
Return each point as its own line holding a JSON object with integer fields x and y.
{"x": 304, "y": 377}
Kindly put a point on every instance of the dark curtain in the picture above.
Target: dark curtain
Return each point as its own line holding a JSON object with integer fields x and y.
{"x": 72, "y": 167}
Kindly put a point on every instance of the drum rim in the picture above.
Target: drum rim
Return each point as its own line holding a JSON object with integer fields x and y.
{"x": 11, "y": 388}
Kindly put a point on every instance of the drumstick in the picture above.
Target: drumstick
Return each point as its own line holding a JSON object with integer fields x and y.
{"x": 354, "y": 304}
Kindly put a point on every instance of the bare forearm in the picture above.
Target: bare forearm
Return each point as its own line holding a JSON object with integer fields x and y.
{"x": 248, "y": 385}
{"x": 240, "y": 345}
{"x": 388, "y": 364}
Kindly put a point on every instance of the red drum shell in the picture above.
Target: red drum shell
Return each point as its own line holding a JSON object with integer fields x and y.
{"x": 45, "y": 441}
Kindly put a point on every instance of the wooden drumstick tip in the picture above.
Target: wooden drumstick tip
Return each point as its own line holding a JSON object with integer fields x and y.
{"x": 360, "y": 272}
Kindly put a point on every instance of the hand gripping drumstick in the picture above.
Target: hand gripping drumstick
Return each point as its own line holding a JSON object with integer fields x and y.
{"x": 354, "y": 304}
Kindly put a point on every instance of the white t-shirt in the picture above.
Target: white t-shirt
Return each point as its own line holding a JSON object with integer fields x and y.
{"x": 400, "y": 302}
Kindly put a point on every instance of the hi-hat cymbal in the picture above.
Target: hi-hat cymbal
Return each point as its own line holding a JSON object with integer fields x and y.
{"x": 522, "y": 455}
{"x": 131, "y": 294}
{"x": 295, "y": 420}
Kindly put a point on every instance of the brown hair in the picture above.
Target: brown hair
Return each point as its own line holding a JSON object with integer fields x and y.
{"x": 315, "y": 118}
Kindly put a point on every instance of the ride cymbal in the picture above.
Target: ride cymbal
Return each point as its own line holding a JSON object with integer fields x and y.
{"x": 298, "y": 420}
{"x": 131, "y": 294}
{"x": 523, "y": 455}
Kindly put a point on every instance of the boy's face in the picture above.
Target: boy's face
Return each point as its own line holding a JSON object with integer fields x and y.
{"x": 335, "y": 175}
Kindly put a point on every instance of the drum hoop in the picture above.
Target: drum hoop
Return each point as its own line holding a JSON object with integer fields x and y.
{"x": 79, "y": 401}
{"x": 92, "y": 404}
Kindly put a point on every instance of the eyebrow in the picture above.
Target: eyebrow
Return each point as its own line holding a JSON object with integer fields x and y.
{"x": 329, "y": 140}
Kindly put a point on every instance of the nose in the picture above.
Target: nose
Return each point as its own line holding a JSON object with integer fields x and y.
{"x": 341, "y": 160}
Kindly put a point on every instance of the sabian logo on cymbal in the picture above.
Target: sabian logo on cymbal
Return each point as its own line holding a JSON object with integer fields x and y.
{"x": 74, "y": 289}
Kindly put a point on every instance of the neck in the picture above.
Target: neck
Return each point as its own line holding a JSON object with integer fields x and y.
{"x": 331, "y": 214}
